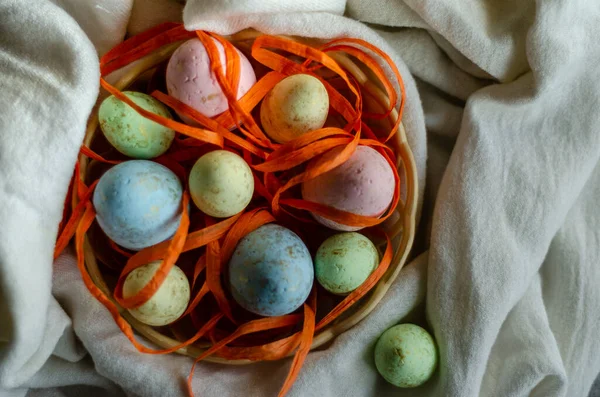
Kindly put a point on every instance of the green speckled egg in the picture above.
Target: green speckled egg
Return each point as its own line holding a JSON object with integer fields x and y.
{"x": 129, "y": 132}
{"x": 344, "y": 261}
{"x": 167, "y": 304}
{"x": 221, "y": 184}
{"x": 406, "y": 355}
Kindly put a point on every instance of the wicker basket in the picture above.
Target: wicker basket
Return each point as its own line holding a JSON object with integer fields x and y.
{"x": 401, "y": 225}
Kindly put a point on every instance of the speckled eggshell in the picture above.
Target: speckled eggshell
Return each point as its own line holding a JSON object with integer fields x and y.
{"x": 167, "y": 304}
{"x": 271, "y": 271}
{"x": 190, "y": 79}
{"x": 363, "y": 185}
{"x": 221, "y": 183}
{"x": 406, "y": 355}
{"x": 296, "y": 105}
{"x": 344, "y": 261}
{"x": 138, "y": 203}
{"x": 129, "y": 132}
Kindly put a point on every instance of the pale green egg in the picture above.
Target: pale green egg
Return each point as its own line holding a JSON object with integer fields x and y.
{"x": 406, "y": 355}
{"x": 344, "y": 261}
{"x": 131, "y": 133}
{"x": 221, "y": 184}
{"x": 167, "y": 304}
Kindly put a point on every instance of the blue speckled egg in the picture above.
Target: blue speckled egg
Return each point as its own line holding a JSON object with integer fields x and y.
{"x": 271, "y": 271}
{"x": 138, "y": 203}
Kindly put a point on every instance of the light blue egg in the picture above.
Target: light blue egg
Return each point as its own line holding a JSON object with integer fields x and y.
{"x": 138, "y": 203}
{"x": 271, "y": 271}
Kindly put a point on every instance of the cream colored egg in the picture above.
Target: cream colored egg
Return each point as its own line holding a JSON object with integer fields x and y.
{"x": 296, "y": 105}
{"x": 167, "y": 304}
{"x": 221, "y": 184}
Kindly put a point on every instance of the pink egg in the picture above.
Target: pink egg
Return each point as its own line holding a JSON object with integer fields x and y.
{"x": 190, "y": 79}
{"x": 363, "y": 185}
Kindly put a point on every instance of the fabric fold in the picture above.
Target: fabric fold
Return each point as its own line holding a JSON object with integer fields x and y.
{"x": 51, "y": 86}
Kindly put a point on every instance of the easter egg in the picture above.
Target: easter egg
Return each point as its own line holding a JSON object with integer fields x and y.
{"x": 167, "y": 304}
{"x": 406, "y": 355}
{"x": 271, "y": 271}
{"x": 363, "y": 185}
{"x": 138, "y": 203}
{"x": 344, "y": 261}
{"x": 221, "y": 184}
{"x": 131, "y": 133}
{"x": 296, "y": 105}
{"x": 190, "y": 78}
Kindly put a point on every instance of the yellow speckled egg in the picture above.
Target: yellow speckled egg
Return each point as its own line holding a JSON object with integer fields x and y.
{"x": 296, "y": 105}
{"x": 167, "y": 304}
{"x": 221, "y": 184}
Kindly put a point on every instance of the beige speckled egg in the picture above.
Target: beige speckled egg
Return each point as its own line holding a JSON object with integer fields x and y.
{"x": 221, "y": 184}
{"x": 296, "y": 105}
{"x": 167, "y": 304}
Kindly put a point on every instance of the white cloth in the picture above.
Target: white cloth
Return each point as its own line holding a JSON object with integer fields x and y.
{"x": 48, "y": 90}
{"x": 508, "y": 92}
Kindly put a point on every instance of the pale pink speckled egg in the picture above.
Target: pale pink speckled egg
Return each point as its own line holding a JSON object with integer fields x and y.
{"x": 190, "y": 79}
{"x": 363, "y": 185}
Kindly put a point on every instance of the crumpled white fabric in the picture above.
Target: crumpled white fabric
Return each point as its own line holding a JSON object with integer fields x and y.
{"x": 47, "y": 91}
{"x": 506, "y": 271}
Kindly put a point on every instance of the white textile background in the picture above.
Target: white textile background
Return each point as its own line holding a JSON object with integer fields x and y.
{"x": 503, "y": 117}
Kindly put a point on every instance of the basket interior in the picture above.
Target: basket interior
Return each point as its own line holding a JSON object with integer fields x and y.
{"x": 104, "y": 264}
